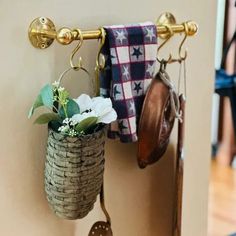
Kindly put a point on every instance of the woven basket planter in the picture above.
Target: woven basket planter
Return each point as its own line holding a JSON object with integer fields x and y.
{"x": 74, "y": 172}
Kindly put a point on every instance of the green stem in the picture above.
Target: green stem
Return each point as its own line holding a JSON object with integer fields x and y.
{"x": 64, "y": 108}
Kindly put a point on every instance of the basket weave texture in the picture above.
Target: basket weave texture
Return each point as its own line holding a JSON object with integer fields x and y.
{"x": 74, "y": 172}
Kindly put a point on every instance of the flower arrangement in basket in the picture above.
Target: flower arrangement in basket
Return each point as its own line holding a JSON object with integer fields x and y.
{"x": 75, "y": 148}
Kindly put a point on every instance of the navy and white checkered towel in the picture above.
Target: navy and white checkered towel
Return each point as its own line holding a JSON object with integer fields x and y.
{"x": 130, "y": 53}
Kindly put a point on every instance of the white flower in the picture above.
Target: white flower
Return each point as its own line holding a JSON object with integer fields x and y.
{"x": 73, "y": 122}
{"x": 55, "y": 83}
{"x": 96, "y": 107}
{"x": 72, "y": 133}
{"x": 66, "y": 121}
{"x": 103, "y": 108}
{"x": 60, "y": 89}
{"x": 84, "y": 102}
{"x": 80, "y": 117}
{"x": 63, "y": 129}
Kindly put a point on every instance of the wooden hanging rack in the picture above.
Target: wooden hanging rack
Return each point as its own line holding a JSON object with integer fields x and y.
{"x": 42, "y": 31}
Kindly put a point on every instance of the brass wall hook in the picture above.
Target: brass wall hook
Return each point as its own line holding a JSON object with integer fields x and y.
{"x": 167, "y": 38}
{"x": 182, "y": 58}
{"x": 79, "y": 65}
{"x": 100, "y": 61}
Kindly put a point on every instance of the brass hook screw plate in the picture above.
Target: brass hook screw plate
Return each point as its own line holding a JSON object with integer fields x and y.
{"x": 42, "y": 32}
{"x": 165, "y": 18}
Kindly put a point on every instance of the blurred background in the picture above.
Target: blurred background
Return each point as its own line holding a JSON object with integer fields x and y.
{"x": 222, "y": 192}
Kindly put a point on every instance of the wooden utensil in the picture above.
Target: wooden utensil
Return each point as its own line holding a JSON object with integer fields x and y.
{"x": 179, "y": 171}
{"x": 102, "y": 228}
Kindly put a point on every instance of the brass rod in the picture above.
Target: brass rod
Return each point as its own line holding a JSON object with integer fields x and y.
{"x": 42, "y": 31}
{"x": 91, "y": 34}
{"x": 96, "y": 34}
{"x": 161, "y": 29}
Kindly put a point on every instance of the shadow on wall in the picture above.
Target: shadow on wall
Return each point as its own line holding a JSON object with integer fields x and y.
{"x": 40, "y": 210}
{"x": 141, "y": 194}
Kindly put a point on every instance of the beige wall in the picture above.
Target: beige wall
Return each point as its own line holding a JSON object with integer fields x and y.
{"x": 140, "y": 201}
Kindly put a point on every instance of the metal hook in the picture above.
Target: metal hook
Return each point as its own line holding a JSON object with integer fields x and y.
{"x": 101, "y": 64}
{"x": 100, "y": 60}
{"x": 171, "y": 33}
{"x": 79, "y": 65}
{"x": 182, "y": 58}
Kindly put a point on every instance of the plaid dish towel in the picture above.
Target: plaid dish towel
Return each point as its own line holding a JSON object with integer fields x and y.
{"x": 130, "y": 53}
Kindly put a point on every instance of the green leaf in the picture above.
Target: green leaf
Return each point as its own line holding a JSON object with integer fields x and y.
{"x": 31, "y": 112}
{"x": 86, "y": 124}
{"x": 38, "y": 103}
{"x": 47, "y": 95}
{"x": 46, "y": 118}
{"x": 62, "y": 113}
{"x": 72, "y": 108}
{"x": 55, "y": 124}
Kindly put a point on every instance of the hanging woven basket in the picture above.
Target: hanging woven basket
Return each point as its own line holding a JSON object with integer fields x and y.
{"x": 74, "y": 172}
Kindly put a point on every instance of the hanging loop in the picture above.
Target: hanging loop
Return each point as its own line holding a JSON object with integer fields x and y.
{"x": 69, "y": 69}
{"x": 79, "y": 64}
{"x": 174, "y": 101}
{"x": 163, "y": 64}
{"x": 62, "y": 76}
{"x": 171, "y": 33}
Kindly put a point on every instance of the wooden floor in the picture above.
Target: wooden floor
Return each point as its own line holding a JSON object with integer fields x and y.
{"x": 222, "y": 201}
